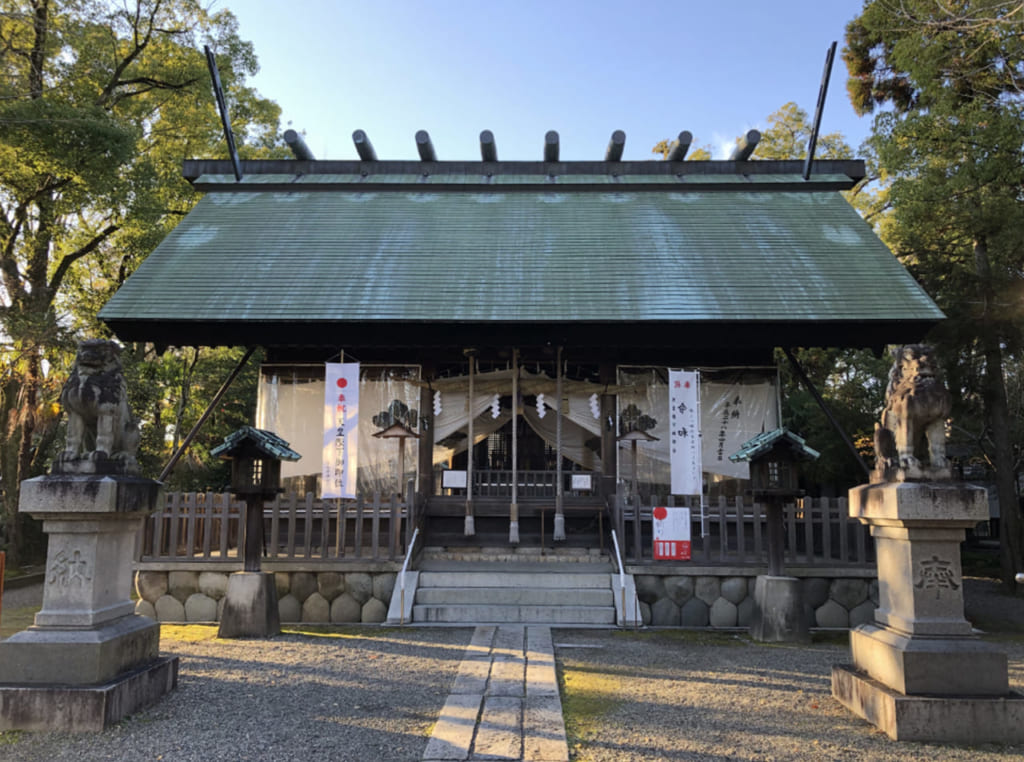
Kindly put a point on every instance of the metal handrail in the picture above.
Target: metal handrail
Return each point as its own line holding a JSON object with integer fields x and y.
{"x": 401, "y": 576}
{"x": 622, "y": 575}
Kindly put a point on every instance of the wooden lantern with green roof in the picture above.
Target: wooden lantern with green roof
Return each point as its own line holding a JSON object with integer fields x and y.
{"x": 250, "y": 608}
{"x": 774, "y": 475}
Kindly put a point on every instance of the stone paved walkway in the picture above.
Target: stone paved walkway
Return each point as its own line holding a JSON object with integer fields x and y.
{"x": 504, "y": 704}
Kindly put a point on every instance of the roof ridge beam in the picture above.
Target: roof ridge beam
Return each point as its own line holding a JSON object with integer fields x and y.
{"x": 425, "y": 146}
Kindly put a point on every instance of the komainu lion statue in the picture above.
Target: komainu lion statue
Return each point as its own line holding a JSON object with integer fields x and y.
{"x": 103, "y": 436}
{"x": 913, "y": 423}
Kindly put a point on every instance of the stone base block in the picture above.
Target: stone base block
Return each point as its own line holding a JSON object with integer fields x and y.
{"x": 79, "y": 656}
{"x": 778, "y": 611}
{"x": 968, "y": 720}
{"x": 936, "y": 666}
{"x": 86, "y": 708}
{"x": 250, "y": 607}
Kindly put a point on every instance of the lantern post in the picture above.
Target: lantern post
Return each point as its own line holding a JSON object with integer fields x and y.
{"x": 250, "y": 607}
{"x": 774, "y": 458}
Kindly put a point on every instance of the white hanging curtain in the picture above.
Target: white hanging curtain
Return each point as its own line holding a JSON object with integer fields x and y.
{"x": 574, "y": 438}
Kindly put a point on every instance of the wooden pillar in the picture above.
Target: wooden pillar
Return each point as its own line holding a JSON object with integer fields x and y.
{"x": 513, "y": 514}
{"x": 425, "y": 459}
{"x": 609, "y": 432}
{"x": 252, "y": 541}
{"x": 776, "y": 535}
{"x": 469, "y": 527}
{"x": 559, "y": 531}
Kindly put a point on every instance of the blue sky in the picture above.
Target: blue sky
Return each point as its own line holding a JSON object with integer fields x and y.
{"x": 522, "y": 67}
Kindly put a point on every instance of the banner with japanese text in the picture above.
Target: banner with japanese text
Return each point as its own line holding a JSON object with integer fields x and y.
{"x": 732, "y": 415}
{"x": 684, "y": 439}
{"x": 341, "y": 422}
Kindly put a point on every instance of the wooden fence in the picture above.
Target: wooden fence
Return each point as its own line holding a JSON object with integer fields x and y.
{"x": 818, "y": 531}
{"x": 209, "y": 527}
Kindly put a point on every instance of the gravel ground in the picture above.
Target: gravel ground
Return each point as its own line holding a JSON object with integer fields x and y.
{"x": 359, "y": 694}
{"x": 372, "y": 694}
{"x": 700, "y": 695}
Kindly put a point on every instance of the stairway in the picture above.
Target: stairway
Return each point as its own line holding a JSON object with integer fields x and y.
{"x": 575, "y": 593}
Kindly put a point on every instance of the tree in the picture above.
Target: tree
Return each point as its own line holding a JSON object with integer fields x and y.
{"x": 949, "y": 78}
{"x": 99, "y": 103}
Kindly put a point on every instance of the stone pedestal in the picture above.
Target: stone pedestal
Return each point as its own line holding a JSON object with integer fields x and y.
{"x": 250, "y": 607}
{"x": 778, "y": 611}
{"x": 918, "y": 672}
{"x": 86, "y": 645}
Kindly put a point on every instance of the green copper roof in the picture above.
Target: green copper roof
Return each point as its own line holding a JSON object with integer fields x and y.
{"x": 652, "y": 251}
{"x": 266, "y": 442}
{"x": 768, "y": 440}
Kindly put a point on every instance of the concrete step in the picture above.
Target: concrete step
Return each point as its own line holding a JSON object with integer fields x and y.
{"x": 514, "y": 596}
{"x": 484, "y": 614}
{"x": 493, "y": 554}
{"x": 514, "y": 579}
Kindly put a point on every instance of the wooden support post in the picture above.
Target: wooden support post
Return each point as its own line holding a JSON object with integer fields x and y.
{"x": 558, "y": 533}
{"x": 776, "y": 536}
{"x": 513, "y": 514}
{"x": 253, "y": 538}
{"x": 425, "y": 459}
{"x": 469, "y": 529}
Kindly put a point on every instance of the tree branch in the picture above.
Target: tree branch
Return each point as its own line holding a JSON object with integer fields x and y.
{"x": 70, "y": 259}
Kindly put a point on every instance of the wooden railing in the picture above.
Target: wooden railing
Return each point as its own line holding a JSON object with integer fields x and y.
{"x": 818, "y": 532}
{"x": 529, "y": 484}
{"x": 208, "y": 527}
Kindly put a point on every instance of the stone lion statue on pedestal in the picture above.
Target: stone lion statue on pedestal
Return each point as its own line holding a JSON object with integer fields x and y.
{"x": 913, "y": 422}
{"x": 103, "y": 435}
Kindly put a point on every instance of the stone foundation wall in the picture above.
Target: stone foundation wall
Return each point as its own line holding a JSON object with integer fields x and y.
{"x": 681, "y": 600}
{"x": 309, "y": 597}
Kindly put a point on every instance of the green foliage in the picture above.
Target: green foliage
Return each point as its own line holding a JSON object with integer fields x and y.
{"x": 947, "y": 83}
{"x": 664, "y": 147}
{"x": 170, "y": 391}
{"x": 99, "y": 103}
{"x": 852, "y": 382}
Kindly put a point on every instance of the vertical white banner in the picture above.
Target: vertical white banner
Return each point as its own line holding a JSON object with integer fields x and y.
{"x": 684, "y": 419}
{"x": 341, "y": 422}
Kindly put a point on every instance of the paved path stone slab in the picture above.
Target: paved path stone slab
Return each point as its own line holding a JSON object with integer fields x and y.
{"x": 504, "y": 703}
{"x": 453, "y": 733}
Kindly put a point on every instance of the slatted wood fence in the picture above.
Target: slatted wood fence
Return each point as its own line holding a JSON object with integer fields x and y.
{"x": 819, "y": 532}
{"x": 209, "y": 527}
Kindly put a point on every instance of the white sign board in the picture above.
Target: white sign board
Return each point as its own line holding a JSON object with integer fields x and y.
{"x": 671, "y": 534}
{"x": 453, "y": 479}
{"x": 581, "y": 482}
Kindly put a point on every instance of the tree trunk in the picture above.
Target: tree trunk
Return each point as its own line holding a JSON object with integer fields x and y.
{"x": 1011, "y": 539}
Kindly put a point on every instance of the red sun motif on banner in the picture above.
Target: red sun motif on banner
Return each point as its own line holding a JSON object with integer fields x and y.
{"x": 660, "y": 513}
{"x": 342, "y": 383}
